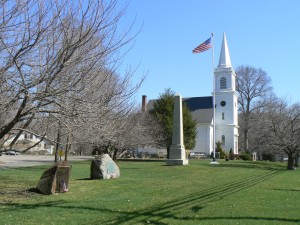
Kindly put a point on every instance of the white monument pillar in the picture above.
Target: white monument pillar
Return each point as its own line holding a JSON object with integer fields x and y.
{"x": 177, "y": 155}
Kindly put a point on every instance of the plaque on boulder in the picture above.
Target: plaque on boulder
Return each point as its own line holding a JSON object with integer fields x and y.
{"x": 103, "y": 167}
{"x": 55, "y": 179}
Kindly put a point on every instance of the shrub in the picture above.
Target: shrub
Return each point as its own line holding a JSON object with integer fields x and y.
{"x": 219, "y": 149}
{"x": 245, "y": 156}
{"x": 231, "y": 155}
{"x": 268, "y": 156}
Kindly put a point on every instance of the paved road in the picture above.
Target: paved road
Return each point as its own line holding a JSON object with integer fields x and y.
{"x": 13, "y": 161}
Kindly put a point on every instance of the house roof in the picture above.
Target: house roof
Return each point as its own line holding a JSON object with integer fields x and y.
{"x": 200, "y": 107}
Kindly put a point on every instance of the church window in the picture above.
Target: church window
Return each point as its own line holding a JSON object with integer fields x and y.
{"x": 25, "y": 136}
{"x": 223, "y": 116}
{"x": 223, "y": 83}
{"x": 223, "y": 140}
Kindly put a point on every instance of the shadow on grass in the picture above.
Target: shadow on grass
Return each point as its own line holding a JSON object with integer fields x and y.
{"x": 34, "y": 190}
{"x": 196, "y": 202}
{"x": 87, "y": 178}
{"x": 255, "y": 165}
{"x": 132, "y": 168}
{"x": 278, "y": 189}
{"x": 173, "y": 209}
{"x": 30, "y": 191}
{"x": 34, "y": 206}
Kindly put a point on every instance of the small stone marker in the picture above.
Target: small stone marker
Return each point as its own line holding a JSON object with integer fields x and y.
{"x": 177, "y": 155}
{"x": 55, "y": 179}
{"x": 103, "y": 167}
{"x": 254, "y": 156}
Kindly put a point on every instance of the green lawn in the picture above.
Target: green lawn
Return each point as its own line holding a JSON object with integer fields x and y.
{"x": 233, "y": 192}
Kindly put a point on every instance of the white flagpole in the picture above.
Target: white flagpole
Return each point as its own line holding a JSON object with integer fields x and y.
{"x": 214, "y": 101}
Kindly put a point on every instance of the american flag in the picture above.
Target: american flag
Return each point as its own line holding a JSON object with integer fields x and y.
{"x": 203, "y": 47}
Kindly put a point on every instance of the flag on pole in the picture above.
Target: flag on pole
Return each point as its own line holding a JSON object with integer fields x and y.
{"x": 203, "y": 47}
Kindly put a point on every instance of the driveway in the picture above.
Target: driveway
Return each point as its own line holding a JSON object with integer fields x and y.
{"x": 13, "y": 161}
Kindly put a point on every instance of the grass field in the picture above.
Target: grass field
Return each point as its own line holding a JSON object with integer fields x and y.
{"x": 233, "y": 192}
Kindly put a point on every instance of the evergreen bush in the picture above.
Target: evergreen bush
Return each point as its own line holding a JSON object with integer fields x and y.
{"x": 245, "y": 156}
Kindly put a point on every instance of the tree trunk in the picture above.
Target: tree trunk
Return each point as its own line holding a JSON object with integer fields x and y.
{"x": 68, "y": 145}
{"x": 297, "y": 160}
{"x": 246, "y": 132}
{"x": 246, "y": 140}
{"x": 115, "y": 154}
{"x": 290, "y": 165}
{"x": 57, "y": 143}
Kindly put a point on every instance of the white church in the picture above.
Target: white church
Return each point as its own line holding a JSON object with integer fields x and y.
{"x": 226, "y": 109}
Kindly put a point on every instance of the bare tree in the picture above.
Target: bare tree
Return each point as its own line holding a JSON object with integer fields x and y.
{"x": 95, "y": 115}
{"x": 253, "y": 86}
{"x": 52, "y": 53}
{"x": 140, "y": 130}
{"x": 279, "y": 129}
{"x": 127, "y": 132}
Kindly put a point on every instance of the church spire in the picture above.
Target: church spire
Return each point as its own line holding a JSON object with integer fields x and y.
{"x": 224, "y": 60}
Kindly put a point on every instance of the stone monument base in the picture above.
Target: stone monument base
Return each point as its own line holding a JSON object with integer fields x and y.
{"x": 172, "y": 162}
{"x": 177, "y": 155}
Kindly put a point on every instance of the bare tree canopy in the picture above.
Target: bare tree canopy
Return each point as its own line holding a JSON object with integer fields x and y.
{"x": 139, "y": 129}
{"x": 58, "y": 61}
{"x": 253, "y": 86}
{"x": 279, "y": 129}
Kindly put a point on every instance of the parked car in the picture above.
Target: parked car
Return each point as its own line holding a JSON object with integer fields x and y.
{"x": 12, "y": 152}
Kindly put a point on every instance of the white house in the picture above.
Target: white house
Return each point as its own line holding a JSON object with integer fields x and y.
{"x": 43, "y": 146}
{"x": 226, "y": 109}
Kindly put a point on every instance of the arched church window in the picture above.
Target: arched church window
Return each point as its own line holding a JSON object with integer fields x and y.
{"x": 223, "y": 116}
{"x": 223, "y": 139}
{"x": 223, "y": 83}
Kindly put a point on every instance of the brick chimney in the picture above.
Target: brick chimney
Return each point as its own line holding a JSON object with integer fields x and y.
{"x": 144, "y": 103}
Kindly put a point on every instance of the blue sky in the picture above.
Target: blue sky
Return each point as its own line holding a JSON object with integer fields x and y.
{"x": 260, "y": 33}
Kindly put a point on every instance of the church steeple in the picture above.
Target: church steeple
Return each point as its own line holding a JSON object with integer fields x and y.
{"x": 224, "y": 60}
{"x": 226, "y": 101}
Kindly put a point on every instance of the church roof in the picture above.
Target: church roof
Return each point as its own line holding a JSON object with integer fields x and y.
{"x": 203, "y": 115}
{"x": 200, "y": 107}
{"x": 224, "y": 60}
{"x": 196, "y": 103}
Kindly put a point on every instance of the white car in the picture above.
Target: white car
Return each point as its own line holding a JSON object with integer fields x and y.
{"x": 12, "y": 152}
